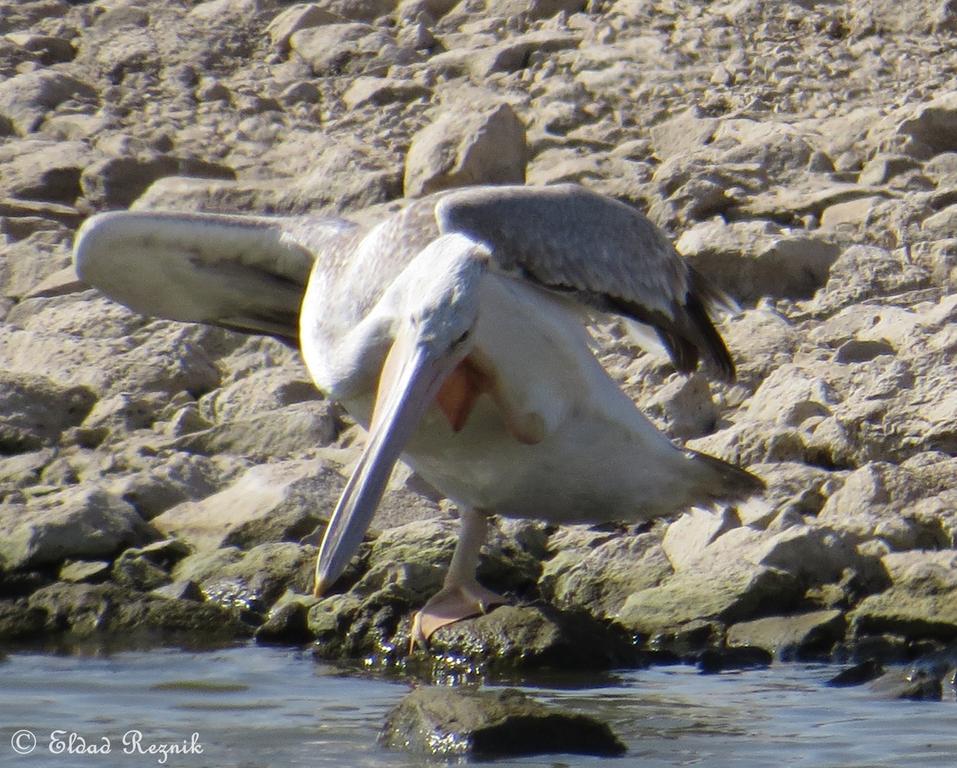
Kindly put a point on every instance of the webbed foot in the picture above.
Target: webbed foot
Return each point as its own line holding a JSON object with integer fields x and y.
{"x": 453, "y": 603}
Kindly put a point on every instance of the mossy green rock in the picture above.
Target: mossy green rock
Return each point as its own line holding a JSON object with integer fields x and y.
{"x": 524, "y": 637}
{"x": 85, "y": 610}
{"x": 725, "y": 597}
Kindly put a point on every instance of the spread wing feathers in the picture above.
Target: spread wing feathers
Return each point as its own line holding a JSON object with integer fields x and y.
{"x": 238, "y": 272}
{"x": 607, "y": 254}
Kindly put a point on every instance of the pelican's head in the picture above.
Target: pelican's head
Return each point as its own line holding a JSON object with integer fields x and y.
{"x": 433, "y": 315}
{"x": 441, "y": 296}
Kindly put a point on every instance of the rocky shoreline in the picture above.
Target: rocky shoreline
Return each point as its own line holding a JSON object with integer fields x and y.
{"x": 155, "y": 478}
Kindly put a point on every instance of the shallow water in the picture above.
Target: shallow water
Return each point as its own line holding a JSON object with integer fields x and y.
{"x": 253, "y": 706}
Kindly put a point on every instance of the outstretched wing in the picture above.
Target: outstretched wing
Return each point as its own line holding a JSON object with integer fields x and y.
{"x": 240, "y": 272}
{"x": 606, "y": 254}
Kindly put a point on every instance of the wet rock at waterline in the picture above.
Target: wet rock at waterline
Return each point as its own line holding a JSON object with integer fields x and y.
{"x": 106, "y": 611}
{"x": 442, "y": 722}
{"x": 792, "y": 638}
{"x": 534, "y": 637}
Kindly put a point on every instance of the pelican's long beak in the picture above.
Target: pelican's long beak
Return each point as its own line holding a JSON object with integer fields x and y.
{"x": 412, "y": 375}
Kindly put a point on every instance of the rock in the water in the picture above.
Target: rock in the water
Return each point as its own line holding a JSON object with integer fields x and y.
{"x": 442, "y": 722}
{"x": 802, "y": 637}
{"x": 714, "y": 660}
{"x": 21, "y": 622}
{"x": 286, "y": 624}
{"x": 857, "y": 674}
{"x": 913, "y": 684}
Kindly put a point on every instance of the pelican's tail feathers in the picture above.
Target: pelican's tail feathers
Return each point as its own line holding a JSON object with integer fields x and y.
{"x": 721, "y": 481}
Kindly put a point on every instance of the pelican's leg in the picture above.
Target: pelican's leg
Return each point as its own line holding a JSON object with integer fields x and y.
{"x": 461, "y": 596}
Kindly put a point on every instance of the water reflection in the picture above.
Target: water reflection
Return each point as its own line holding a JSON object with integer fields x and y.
{"x": 254, "y": 706}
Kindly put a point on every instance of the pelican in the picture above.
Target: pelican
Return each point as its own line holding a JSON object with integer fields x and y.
{"x": 454, "y": 331}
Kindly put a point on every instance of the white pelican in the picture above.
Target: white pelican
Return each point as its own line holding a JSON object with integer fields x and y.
{"x": 453, "y": 331}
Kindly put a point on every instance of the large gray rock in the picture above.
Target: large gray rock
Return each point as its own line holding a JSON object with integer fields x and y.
{"x": 84, "y": 522}
{"x": 461, "y": 147}
{"x": 34, "y": 411}
{"x": 533, "y": 9}
{"x": 685, "y": 132}
{"x": 174, "y": 478}
{"x": 299, "y": 16}
{"x": 273, "y": 502}
{"x": 687, "y": 537}
{"x": 112, "y": 365}
{"x": 252, "y": 580}
{"x": 513, "y": 54}
{"x": 379, "y": 91}
{"x": 27, "y": 98}
{"x": 750, "y": 259}
{"x": 41, "y": 169}
{"x": 600, "y": 578}
{"x": 665, "y": 611}
{"x": 281, "y": 433}
{"x": 921, "y": 603}
{"x": 348, "y": 48}
{"x": 878, "y": 501}
{"x": 335, "y": 182}
{"x": 116, "y": 182}
{"x": 760, "y": 340}
{"x": 36, "y": 256}
{"x": 357, "y": 10}
{"x": 863, "y": 272}
{"x": 929, "y": 129}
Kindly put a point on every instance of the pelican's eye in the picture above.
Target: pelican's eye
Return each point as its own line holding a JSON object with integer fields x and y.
{"x": 461, "y": 339}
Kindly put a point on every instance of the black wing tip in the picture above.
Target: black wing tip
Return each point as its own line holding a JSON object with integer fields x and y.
{"x": 682, "y": 352}
{"x": 688, "y": 336}
{"x": 709, "y": 340}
